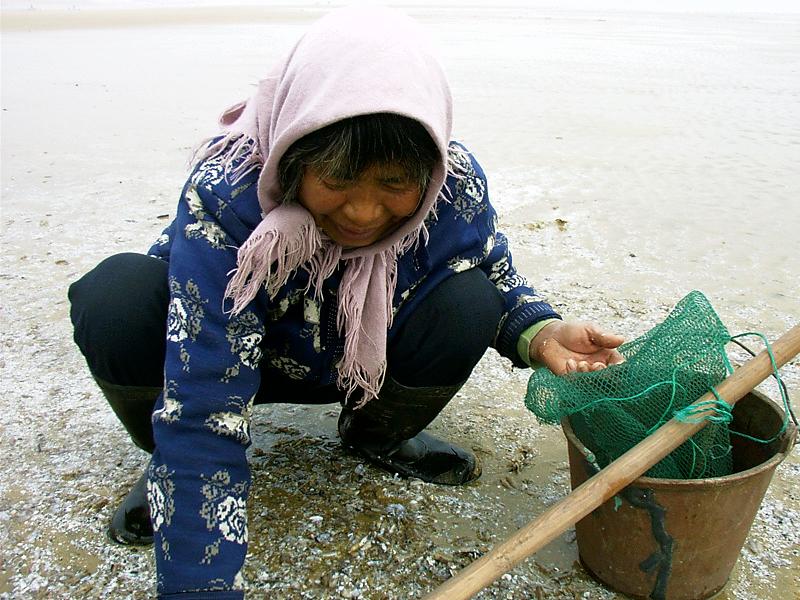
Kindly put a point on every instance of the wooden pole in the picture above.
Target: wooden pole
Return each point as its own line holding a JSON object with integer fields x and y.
{"x": 605, "y": 484}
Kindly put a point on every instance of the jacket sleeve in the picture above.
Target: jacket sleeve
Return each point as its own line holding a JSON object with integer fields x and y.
{"x": 199, "y": 476}
{"x": 523, "y": 306}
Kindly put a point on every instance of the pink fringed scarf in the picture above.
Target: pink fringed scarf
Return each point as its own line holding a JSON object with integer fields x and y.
{"x": 353, "y": 61}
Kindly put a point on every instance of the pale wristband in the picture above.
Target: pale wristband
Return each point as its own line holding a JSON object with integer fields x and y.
{"x": 526, "y": 337}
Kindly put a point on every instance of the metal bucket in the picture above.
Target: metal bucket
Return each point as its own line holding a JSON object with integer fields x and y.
{"x": 678, "y": 539}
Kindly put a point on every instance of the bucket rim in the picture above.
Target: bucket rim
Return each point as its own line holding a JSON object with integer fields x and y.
{"x": 732, "y": 479}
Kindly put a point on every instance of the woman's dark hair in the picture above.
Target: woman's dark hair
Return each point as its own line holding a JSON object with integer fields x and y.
{"x": 346, "y": 148}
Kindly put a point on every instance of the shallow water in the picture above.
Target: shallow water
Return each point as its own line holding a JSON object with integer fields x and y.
{"x": 675, "y": 138}
{"x": 671, "y": 137}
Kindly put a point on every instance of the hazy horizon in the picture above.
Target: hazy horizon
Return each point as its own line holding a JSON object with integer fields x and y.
{"x": 679, "y": 6}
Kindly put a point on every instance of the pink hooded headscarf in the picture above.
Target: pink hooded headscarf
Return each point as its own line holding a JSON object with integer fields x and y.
{"x": 353, "y": 61}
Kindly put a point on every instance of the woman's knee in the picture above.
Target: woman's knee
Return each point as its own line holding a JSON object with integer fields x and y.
{"x": 448, "y": 333}
{"x": 118, "y": 311}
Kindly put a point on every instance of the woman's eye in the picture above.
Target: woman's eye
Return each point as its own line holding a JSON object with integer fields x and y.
{"x": 397, "y": 187}
{"x": 333, "y": 185}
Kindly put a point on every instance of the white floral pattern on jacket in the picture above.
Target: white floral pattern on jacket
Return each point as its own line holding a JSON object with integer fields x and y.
{"x": 214, "y": 362}
{"x": 224, "y": 511}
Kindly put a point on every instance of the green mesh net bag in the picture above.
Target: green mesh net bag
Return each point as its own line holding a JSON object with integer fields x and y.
{"x": 665, "y": 370}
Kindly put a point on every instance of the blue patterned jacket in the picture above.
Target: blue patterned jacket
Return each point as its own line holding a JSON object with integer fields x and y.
{"x": 215, "y": 363}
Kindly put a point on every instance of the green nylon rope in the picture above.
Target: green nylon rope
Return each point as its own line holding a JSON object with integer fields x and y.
{"x": 721, "y": 410}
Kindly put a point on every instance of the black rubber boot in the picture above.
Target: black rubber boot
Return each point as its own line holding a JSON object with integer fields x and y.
{"x": 130, "y": 524}
{"x": 133, "y": 406}
{"x": 387, "y": 431}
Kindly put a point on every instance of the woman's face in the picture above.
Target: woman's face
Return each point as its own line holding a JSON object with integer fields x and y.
{"x": 360, "y": 212}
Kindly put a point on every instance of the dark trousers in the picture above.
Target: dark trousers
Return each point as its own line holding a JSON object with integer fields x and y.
{"x": 119, "y": 312}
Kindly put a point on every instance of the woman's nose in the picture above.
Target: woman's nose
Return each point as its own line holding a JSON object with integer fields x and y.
{"x": 362, "y": 208}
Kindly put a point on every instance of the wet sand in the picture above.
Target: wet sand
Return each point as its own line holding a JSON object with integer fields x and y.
{"x": 633, "y": 157}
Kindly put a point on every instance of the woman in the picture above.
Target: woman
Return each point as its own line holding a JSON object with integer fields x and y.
{"x": 333, "y": 245}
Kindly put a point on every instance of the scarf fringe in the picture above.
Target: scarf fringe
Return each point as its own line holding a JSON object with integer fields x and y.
{"x": 453, "y": 167}
{"x": 268, "y": 258}
{"x": 239, "y": 151}
{"x": 321, "y": 266}
{"x": 354, "y": 378}
{"x": 391, "y": 284}
{"x": 348, "y": 310}
{"x": 361, "y": 278}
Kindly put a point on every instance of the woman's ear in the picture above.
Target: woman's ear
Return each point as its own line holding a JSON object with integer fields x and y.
{"x": 416, "y": 208}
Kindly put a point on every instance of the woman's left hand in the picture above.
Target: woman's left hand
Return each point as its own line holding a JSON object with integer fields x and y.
{"x": 568, "y": 347}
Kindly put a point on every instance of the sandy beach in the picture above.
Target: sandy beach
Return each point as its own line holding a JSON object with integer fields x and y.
{"x": 632, "y": 156}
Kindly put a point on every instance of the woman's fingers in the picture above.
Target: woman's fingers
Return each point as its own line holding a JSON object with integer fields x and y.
{"x": 561, "y": 359}
{"x": 586, "y": 366}
{"x": 583, "y": 366}
{"x": 604, "y": 339}
{"x": 616, "y": 358}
